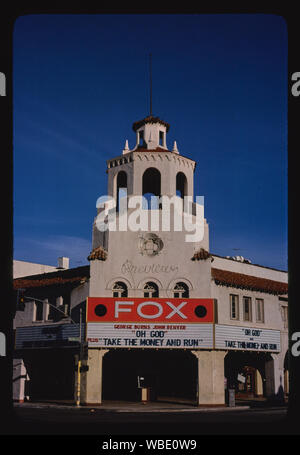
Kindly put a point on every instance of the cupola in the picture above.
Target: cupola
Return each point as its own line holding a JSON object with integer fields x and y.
{"x": 151, "y": 133}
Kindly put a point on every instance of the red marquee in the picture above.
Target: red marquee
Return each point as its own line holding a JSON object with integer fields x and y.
{"x": 131, "y": 309}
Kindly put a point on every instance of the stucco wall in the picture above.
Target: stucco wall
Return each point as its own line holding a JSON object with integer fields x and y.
{"x": 22, "y": 268}
{"x": 125, "y": 262}
{"x": 249, "y": 269}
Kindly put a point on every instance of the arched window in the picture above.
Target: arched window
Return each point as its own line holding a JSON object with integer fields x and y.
{"x": 151, "y": 289}
{"x": 181, "y": 290}
{"x": 181, "y": 185}
{"x": 121, "y": 187}
{"x": 120, "y": 289}
{"x": 151, "y": 185}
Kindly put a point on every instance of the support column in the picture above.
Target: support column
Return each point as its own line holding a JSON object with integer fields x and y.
{"x": 20, "y": 377}
{"x": 210, "y": 377}
{"x": 91, "y": 383}
{"x": 274, "y": 376}
{"x": 278, "y": 374}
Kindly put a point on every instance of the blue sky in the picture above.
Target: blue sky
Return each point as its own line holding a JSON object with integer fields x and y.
{"x": 79, "y": 83}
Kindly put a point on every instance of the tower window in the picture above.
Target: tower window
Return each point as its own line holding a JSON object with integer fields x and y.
{"x": 161, "y": 138}
{"x": 151, "y": 185}
{"x": 181, "y": 185}
{"x": 121, "y": 187}
{"x": 141, "y": 138}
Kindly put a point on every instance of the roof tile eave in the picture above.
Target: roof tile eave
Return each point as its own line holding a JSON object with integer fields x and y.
{"x": 149, "y": 119}
{"x": 239, "y": 280}
{"x": 46, "y": 282}
{"x": 98, "y": 253}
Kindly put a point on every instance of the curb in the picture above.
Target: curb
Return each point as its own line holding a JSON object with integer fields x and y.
{"x": 125, "y": 409}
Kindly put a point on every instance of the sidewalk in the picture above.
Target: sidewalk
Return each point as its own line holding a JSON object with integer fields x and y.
{"x": 164, "y": 405}
{"x": 123, "y": 406}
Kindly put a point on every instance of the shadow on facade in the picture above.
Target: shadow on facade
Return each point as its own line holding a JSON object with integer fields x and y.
{"x": 51, "y": 374}
{"x": 171, "y": 375}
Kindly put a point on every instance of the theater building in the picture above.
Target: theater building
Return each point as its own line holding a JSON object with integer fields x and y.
{"x": 158, "y": 311}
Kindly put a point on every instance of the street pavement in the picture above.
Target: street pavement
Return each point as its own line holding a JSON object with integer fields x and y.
{"x": 122, "y": 418}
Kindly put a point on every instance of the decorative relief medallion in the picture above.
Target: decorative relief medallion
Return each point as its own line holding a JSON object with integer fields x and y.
{"x": 150, "y": 244}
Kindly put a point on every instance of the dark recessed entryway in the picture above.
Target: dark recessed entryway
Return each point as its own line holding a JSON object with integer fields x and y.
{"x": 170, "y": 375}
{"x": 51, "y": 374}
{"x": 246, "y": 372}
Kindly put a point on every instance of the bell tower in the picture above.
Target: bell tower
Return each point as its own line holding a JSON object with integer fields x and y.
{"x": 150, "y": 167}
{"x": 162, "y": 257}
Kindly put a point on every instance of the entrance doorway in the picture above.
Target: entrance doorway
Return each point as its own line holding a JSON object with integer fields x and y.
{"x": 246, "y": 373}
{"x": 247, "y": 383}
{"x": 171, "y": 375}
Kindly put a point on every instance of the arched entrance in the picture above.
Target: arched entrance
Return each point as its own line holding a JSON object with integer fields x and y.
{"x": 170, "y": 374}
{"x": 247, "y": 373}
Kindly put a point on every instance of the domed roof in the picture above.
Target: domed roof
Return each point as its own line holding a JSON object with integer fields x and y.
{"x": 149, "y": 119}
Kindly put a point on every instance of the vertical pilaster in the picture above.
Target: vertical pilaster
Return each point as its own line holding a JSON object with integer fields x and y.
{"x": 19, "y": 376}
{"x": 278, "y": 373}
{"x": 91, "y": 383}
{"x": 210, "y": 377}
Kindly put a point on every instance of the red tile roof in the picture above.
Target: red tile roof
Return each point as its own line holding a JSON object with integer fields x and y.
{"x": 61, "y": 277}
{"x": 98, "y": 253}
{"x": 149, "y": 119}
{"x": 158, "y": 149}
{"x": 201, "y": 254}
{"x": 239, "y": 280}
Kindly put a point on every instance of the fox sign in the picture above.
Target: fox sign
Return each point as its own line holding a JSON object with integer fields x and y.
{"x": 150, "y": 322}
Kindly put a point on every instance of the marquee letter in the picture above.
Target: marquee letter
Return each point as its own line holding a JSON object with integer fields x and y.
{"x": 121, "y": 310}
{"x": 149, "y": 316}
{"x": 176, "y": 310}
